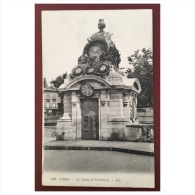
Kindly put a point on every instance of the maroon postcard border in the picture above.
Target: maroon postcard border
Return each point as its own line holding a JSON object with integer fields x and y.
{"x": 39, "y": 80}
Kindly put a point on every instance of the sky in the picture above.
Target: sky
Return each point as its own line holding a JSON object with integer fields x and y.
{"x": 65, "y": 33}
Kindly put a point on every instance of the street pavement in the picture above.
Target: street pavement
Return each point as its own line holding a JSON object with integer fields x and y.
{"x": 98, "y": 158}
{"x": 96, "y": 161}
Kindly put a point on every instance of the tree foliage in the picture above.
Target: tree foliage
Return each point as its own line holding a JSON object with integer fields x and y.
{"x": 143, "y": 71}
{"x": 58, "y": 80}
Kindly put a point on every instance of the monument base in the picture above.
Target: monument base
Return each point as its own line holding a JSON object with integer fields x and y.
{"x": 139, "y": 132}
{"x": 133, "y": 132}
{"x": 64, "y": 129}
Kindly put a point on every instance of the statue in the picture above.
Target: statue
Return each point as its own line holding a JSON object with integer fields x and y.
{"x": 101, "y": 25}
{"x": 99, "y": 53}
{"x": 101, "y": 34}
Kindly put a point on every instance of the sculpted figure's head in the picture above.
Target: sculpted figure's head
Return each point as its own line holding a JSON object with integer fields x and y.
{"x": 101, "y": 25}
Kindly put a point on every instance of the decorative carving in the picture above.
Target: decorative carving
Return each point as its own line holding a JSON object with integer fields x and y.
{"x": 83, "y": 59}
{"x": 108, "y": 103}
{"x": 101, "y": 25}
{"x": 86, "y": 119}
{"x": 134, "y": 109}
{"x": 131, "y": 110}
{"x": 74, "y": 104}
{"x": 53, "y": 99}
{"x": 132, "y": 94}
{"x": 47, "y": 97}
{"x": 87, "y": 90}
{"x": 97, "y": 94}
{"x": 104, "y": 56}
{"x": 95, "y": 119}
{"x": 103, "y": 103}
{"x": 77, "y": 71}
{"x": 94, "y": 60}
{"x": 102, "y": 68}
{"x": 114, "y": 56}
{"x": 125, "y": 103}
{"x": 99, "y": 50}
{"x": 100, "y": 34}
{"x": 95, "y": 47}
{"x": 89, "y": 70}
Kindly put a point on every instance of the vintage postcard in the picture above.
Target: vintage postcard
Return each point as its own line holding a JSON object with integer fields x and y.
{"x": 97, "y": 98}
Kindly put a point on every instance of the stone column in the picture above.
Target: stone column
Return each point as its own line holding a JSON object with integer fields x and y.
{"x": 64, "y": 124}
{"x": 116, "y": 103}
{"x": 108, "y": 103}
{"x": 74, "y": 107}
{"x": 133, "y": 107}
{"x": 126, "y": 108}
{"x": 116, "y": 111}
{"x": 131, "y": 117}
{"x": 79, "y": 120}
{"x": 67, "y": 108}
{"x": 103, "y": 111}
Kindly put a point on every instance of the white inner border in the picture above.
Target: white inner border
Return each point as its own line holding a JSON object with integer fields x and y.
{"x": 17, "y": 84}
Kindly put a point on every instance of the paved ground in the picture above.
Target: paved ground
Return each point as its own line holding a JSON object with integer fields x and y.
{"x": 51, "y": 143}
{"x": 96, "y": 161}
{"x": 78, "y": 159}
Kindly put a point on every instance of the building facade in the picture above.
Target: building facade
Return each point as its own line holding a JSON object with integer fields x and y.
{"x": 53, "y": 109}
{"x": 145, "y": 115}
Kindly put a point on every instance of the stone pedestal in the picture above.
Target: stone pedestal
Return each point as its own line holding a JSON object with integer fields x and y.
{"x": 133, "y": 132}
{"x": 64, "y": 126}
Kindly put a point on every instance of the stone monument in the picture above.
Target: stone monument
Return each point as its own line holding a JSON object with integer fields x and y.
{"x": 99, "y": 101}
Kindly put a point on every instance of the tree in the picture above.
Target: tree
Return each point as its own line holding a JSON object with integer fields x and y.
{"x": 143, "y": 71}
{"x": 59, "y": 80}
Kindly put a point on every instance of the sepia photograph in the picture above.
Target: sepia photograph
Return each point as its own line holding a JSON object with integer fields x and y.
{"x": 98, "y": 83}
{"x": 97, "y": 98}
